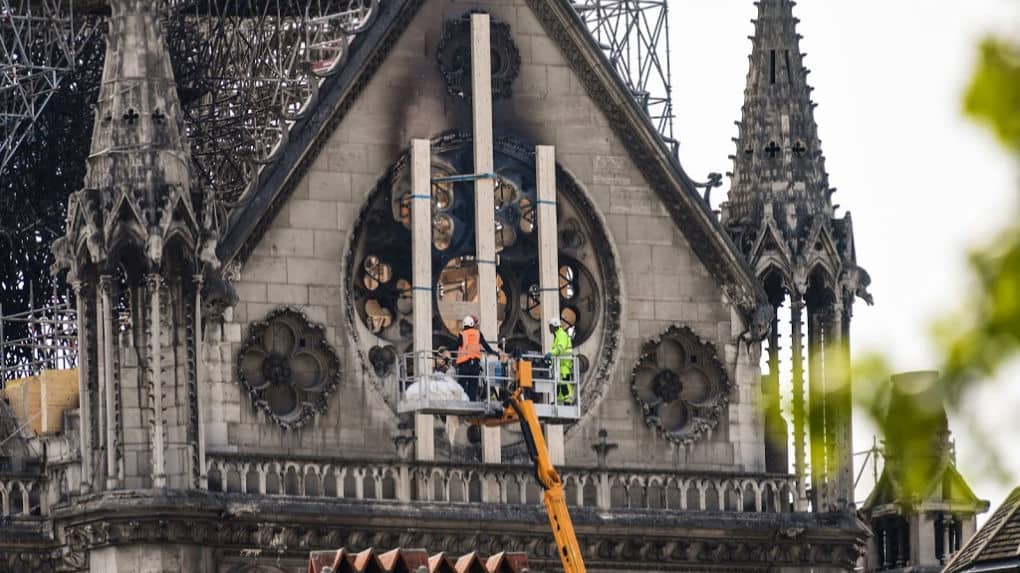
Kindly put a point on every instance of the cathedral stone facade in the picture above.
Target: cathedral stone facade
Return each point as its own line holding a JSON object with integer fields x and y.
{"x": 238, "y": 394}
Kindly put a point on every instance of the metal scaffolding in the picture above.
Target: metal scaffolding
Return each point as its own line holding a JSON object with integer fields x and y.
{"x": 247, "y": 69}
{"x": 635, "y": 37}
{"x": 38, "y": 339}
{"x": 39, "y": 42}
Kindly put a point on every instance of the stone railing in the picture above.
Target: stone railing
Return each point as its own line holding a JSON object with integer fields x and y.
{"x": 22, "y": 496}
{"x": 507, "y": 484}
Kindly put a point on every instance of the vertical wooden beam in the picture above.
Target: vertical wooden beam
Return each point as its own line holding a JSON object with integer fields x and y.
{"x": 106, "y": 327}
{"x": 548, "y": 247}
{"x": 156, "y": 372}
{"x": 421, "y": 279}
{"x": 85, "y": 399}
{"x": 485, "y": 206}
{"x": 548, "y": 269}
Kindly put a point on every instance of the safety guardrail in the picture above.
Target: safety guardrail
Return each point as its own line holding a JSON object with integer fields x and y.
{"x": 433, "y": 382}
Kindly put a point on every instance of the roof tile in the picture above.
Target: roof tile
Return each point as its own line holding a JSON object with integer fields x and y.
{"x": 998, "y": 539}
{"x": 401, "y": 560}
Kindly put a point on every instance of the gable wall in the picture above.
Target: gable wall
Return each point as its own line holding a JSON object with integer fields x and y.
{"x": 298, "y": 261}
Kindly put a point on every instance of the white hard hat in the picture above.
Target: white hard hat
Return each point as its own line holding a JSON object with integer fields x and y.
{"x": 554, "y": 322}
{"x": 469, "y": 321}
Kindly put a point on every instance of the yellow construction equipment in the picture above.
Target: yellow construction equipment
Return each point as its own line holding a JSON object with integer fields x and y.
{"x": 519, "y": 407}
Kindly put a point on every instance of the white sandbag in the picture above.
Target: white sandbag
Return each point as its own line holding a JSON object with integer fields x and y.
{"x": 440, "y": 387}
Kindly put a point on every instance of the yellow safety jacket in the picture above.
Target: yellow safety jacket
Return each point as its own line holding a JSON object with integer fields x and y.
{"x": 562, "y": 345}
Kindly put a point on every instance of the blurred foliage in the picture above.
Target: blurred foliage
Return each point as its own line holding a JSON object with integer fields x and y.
{"x": 983, "y": 335}
{"x": 994, "y": 94}
{"x": 986, "y": 333}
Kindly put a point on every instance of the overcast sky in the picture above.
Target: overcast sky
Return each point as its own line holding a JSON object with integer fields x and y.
{"x": 924, "y": 184}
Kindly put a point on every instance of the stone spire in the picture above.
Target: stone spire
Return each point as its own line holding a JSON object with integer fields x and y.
{"x": 138, "y": 185}
{"x": 138, "y": 139}
{"x": 778, "y": 158}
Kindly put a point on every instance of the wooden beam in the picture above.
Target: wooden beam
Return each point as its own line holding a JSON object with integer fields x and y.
{"x": 548, "y": 244}
{"x": 548, "y": 270}
{"x": 421, "y": 279}
{"x": 485, "y": 206}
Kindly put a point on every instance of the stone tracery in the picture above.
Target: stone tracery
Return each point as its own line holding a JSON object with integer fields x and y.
{"x": 680, "y": 384}
{"x": 288, "y": 367}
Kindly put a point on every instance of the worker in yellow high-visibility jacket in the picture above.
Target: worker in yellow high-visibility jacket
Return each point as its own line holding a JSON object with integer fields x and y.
{"x": 562, "y": 346}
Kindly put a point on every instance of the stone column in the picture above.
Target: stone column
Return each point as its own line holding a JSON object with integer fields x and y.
{"x": 816, "y": 412}
{"x": 113, "y": 476}
{"x": 154, "y": 281}
{"x": 799, "y": 412}
{"x": 838, "y": 411}
{"x": 199, "y": 385}
{"x": 947, "y": 549}
{"x": 922, "y": 539}
{"x": 85, "y": 399}
{"x": 846, "y": 463}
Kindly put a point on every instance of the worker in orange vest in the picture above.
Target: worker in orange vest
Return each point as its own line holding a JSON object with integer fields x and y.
{"x": 470, "y": 344}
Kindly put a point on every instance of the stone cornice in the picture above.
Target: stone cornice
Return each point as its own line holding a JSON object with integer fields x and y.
{"x": 290, "y": 527}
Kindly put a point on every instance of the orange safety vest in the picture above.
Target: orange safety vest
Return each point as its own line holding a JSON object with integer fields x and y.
{"x": 471, "y": 347}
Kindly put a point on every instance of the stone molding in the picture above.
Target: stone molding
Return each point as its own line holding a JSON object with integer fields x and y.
{"x": 290, "y": 529}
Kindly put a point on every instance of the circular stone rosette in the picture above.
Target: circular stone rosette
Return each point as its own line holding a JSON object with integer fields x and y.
{"x": 454, "y": 56}
{"x": 681, "y": 385}
{"x": 288, "y": 367}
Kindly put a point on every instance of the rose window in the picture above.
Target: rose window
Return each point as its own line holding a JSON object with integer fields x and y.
{"x": 288, "y": 367}
{"x": 680, "y": 384}
{"x": 379, "y": 264}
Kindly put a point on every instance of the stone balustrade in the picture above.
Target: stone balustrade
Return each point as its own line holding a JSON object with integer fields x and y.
{"x": 504, "y": 483}
{"x": 22, "y": 496}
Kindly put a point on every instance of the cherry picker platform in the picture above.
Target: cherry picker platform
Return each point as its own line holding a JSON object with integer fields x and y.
{"x": 443, "y": 392}
{"x": 514, "y": 395}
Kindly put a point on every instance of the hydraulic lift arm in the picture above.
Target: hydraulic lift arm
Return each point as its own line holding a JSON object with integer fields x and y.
{"x": 522, "y": 409}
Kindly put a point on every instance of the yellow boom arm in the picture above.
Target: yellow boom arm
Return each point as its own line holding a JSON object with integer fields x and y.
{"x": 522, "y": 409}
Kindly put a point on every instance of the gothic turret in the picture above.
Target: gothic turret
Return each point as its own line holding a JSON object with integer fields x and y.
{"x": 779, "y": 212}
{"x": 921, "y": 510}
{"x": 132, "y": 249}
